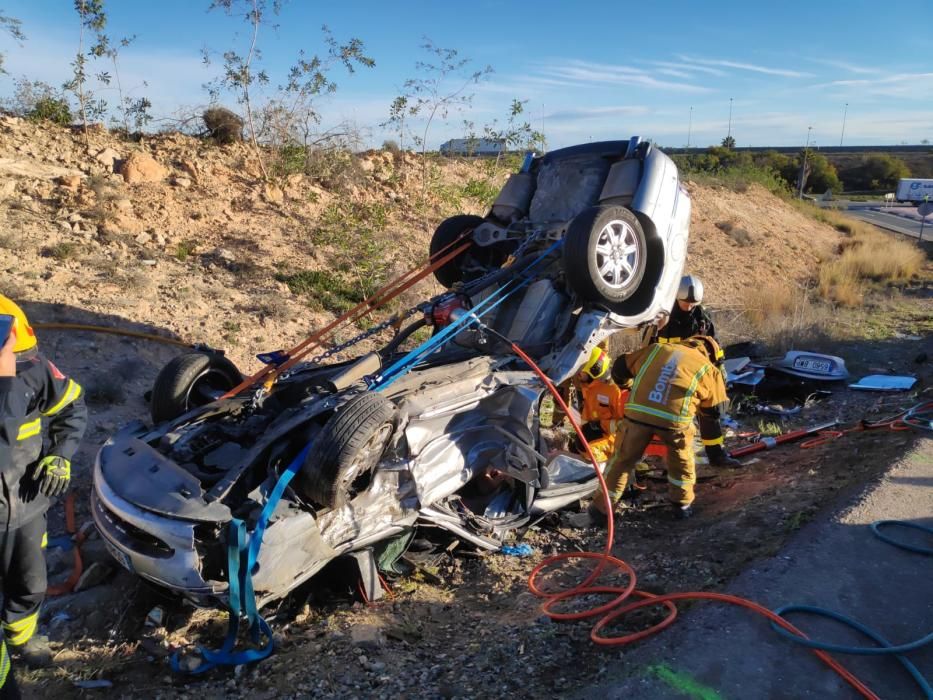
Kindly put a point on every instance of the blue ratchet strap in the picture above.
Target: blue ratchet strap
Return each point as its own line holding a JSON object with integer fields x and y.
{"x": 242, "y": 554}
{"x": 395, "y": 371}
{"x": 392, "y": 373}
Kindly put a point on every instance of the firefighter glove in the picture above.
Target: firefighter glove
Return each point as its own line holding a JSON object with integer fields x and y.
{"x": 53, "y": 475}
{"x": 718, "y": 457}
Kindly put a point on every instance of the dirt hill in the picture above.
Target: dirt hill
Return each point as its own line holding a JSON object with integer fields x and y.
{"x": 188, "y": 239}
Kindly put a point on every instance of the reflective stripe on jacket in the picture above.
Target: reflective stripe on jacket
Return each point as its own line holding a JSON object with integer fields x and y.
{"x": 672, "y": 382}
{"x": 39, "y": 399}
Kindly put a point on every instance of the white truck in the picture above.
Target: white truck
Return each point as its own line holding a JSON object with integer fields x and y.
{"x": 914, "y": 190}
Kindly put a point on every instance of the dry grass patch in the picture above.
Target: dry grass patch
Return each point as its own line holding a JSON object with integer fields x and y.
{"x": 866, "y": 255}
{"x": 781, "y": 317}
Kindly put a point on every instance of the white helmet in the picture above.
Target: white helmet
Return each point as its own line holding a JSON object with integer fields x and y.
{"x": 691, "y": 290}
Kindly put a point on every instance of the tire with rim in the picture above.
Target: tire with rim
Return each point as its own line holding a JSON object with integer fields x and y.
{"x": 341, "y": 460}
{"x": 605, "y": 254}
{"x": 446, "y": 233}
{"x": 191, "y": 380}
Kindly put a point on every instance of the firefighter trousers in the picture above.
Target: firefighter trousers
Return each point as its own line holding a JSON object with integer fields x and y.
{"x": 633, "y": 438}
{"x": 22, "y": 567}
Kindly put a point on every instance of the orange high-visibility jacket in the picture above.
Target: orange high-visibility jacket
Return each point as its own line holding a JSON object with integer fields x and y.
{"x": 603, "y": 402}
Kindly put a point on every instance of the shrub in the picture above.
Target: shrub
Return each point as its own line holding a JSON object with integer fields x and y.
{"x": 53, "y": 109}
{"x": 390, "y": 145}
{"x": 481, "y": 190}
{"x": 224, "y": 126}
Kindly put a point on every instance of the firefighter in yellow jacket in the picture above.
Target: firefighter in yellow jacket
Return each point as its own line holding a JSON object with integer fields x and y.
{"x": 671, "y": 384}
{"x": 36, "y": 400}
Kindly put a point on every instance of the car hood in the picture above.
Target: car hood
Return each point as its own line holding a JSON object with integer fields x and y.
{"x": 141, "y": 475}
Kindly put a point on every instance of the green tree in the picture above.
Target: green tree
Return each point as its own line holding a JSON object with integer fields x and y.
{"x": 290, "y": 115}
{"x": 878, "y": 171}
{"x": 92, "y": 17}
{"x": 441, "y": 89}
{"x": 822, "y": 174}
{"x": 516, "y": 133}
{"x": 728, "y": 142}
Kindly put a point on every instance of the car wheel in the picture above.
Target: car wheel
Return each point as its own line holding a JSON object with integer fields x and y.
{"x": 605, "y": 254}
{"x": 449, "y": 231}
{"x": 191, "y": 380}
{"x": 340, "y": 463}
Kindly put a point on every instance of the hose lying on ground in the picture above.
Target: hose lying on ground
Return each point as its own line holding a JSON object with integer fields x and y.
{"x": 617, "y": 607}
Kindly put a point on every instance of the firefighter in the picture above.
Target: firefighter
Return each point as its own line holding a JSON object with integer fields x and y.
{"x": 688, "y": 317}
{"x": 671, "y": 384}
{"x": 34, "y": 395}
{"x": 603, "y": 403}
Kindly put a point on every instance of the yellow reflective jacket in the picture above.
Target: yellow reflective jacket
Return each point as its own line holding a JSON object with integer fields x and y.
{"x": 672, "y": 382}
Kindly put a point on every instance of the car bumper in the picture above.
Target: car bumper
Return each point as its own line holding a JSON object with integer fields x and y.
{"x": 159, "y": 549}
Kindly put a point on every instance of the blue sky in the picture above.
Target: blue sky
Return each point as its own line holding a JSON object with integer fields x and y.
{"x": 589, "y": 70}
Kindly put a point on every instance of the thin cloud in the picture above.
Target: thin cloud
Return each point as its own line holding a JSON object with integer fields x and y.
{"x": 688, "y": 67}
{"x": 851, "y": 67}
{"x": 745, "y": 66}
{"x": 674, "y": 73}
{"x": 585, "y": 72}
{"x": 575, "y": 114}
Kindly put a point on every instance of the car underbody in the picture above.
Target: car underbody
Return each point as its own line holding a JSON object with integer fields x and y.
{"x": 453, "y": 441}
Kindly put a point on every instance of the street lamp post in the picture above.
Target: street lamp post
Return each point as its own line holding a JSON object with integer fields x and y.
{"x": 844, "y": 113}
{"x": 803, "y": 167}
{"x": 729, "y": 133}
{"x": 689, "y": 127}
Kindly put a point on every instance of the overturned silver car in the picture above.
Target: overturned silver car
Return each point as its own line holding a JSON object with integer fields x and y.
{"x": 583, "y": 242}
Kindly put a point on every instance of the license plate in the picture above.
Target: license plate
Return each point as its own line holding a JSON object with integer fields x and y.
{"x": 121, "y": 557}
{"x": 811, "y": 365}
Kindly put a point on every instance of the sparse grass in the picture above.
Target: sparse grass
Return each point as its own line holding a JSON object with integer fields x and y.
{"x": 185, "y": 249}
{"x": 769, "y": 428}
{"x": 782, "y": 317}
{"x": 64, "y": 250}
{"x": 7, "y": 241}
{"x": 740, "y": 179}
{"x": 331, "y": 290}
{"x": 483, "y": 191}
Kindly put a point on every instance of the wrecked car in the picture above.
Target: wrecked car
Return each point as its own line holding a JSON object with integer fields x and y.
{"x": 581, "y": 243}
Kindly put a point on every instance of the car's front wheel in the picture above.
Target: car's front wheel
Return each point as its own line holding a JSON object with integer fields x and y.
{"x": 605, "y": 254}
{"x": 191, "y": 380}
{"x": 342, "y": 457}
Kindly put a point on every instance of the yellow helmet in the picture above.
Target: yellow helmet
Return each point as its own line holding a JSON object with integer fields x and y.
{"x": 25, "y": 336}
{"x": 598, "y": 364}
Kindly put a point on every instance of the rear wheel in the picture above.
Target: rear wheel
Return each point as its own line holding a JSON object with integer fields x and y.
{"x": 445, "y": 240}
{"x": 191, "y": 380}
{"x": 341, "y": 460}
{"x": 605, "y": 254}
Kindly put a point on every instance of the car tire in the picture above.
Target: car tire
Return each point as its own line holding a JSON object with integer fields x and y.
{"x": 343, "y": 455}
{"x": 605, "y": 255}
{"x": 191, "y": 380}
{"x": 446, "y": 233}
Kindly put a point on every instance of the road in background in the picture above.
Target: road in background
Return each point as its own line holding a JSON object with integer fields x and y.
{"x": 888, "y": 217}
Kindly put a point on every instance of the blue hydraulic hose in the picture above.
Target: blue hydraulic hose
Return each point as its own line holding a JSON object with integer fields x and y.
{"x": 884, "y": 648}
{"x": 400, "y": 367}
{"x": 876, "y": 528}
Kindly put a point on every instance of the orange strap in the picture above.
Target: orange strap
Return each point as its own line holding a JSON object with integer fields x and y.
{"x": 381, "y": 297}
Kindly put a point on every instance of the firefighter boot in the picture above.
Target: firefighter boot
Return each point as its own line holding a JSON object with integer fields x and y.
{"x": 36, "y": 653}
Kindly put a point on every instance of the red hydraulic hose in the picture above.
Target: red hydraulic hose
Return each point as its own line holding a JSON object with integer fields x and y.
{"x": 614, "y": 609}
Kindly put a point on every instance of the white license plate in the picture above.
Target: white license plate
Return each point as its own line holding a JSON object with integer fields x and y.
{"x": 810, "y": 365}
{"x": 123, "y": 560}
